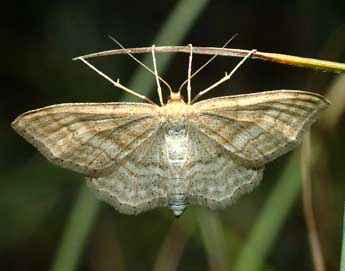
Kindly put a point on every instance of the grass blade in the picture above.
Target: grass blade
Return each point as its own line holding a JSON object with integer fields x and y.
{"x": 214, "y": 238}
{"x": 272, "y": 217}
{"x": 171, "y": 250}
{"x": 77, "y": 228}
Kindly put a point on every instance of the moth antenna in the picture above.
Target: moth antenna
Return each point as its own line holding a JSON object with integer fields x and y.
{"x": 159, "y": 89}
{"x": 116, "y": 83}
{"x": 139, "y": 62}
{"x": 189, "y": 88}
{"x": 225, "y": 78}
{"x": 207, "y": 62}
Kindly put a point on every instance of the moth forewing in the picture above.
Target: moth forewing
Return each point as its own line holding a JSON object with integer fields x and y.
{"x": 88, "y": 137}
{"x": 241, "y": 100}
{"x": 257, "y": 128}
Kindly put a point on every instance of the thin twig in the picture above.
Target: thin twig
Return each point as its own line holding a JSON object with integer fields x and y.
{"x": 314, "y": 240}
{"x": 273, "y": 57}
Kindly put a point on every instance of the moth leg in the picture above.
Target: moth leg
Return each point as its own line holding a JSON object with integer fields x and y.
{"x": 225, "y": 78}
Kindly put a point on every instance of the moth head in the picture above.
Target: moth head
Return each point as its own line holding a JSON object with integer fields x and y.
{"x": 175, "y": 97}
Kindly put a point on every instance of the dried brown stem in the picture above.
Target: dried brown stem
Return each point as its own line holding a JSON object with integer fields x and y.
{"x": 273, "y": 57}
{"x": 314, "y": 241}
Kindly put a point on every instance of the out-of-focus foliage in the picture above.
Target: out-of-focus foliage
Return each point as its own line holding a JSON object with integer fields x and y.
{"x": 38, "y": 201}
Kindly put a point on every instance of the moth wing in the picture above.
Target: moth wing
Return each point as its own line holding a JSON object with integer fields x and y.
{"x": 139, "y": 182}
{"x": 257, "y": 128}
{"x": 216, "y": 180}
{"x": 89, "y": 138}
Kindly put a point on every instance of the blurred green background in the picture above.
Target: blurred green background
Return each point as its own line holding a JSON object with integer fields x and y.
{"x": 49, "y": 219}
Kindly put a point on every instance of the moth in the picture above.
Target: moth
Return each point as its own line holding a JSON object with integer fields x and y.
{"x": 140, "y": 156}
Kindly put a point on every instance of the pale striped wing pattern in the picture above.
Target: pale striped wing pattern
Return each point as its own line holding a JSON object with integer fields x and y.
{"x": 257, "y": 128}
{"x": 215, "y": 179}
{"x": 138, "y": 183}
{"x": 90, "y": 138}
